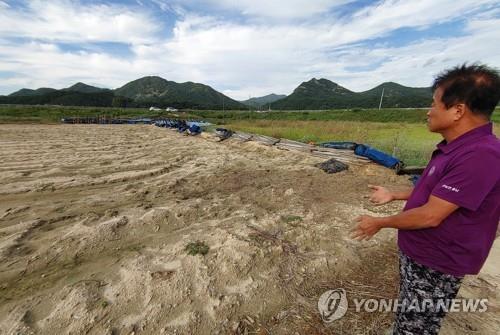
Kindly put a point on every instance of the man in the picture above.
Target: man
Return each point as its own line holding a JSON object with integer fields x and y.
{"x": 448, "y": 225}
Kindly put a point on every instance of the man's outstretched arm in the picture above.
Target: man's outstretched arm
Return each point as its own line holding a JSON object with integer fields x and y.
{"x": 427, "y": 216}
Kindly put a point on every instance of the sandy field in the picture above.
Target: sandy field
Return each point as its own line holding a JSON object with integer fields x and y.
{"x": 95, "y": 219}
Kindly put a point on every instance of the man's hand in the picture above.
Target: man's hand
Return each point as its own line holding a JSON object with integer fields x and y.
{"x": 380, "y": 195}
{"x": 367, "y": 227}
{"x": 429, "y": 215}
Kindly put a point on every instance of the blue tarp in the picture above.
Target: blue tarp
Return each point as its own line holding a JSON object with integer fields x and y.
{"x": 199, "y": 123}
{"x": 180, "y": 124}
{"x": 365, "y": 151}
{"x": 190, "y": 127}
{"x": 377, "y": 156}
{"x": 194, "y": 129}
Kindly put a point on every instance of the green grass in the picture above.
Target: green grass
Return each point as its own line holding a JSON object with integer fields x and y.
{"x": 410, "y": 142}
{"x": 54, "y": 114}
{"x": 412, "y": 115}
{"x": 291, "y": 218}
{"x": 197, "y": 248}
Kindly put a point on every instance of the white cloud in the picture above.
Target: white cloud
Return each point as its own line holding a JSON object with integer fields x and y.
{"x": 256, "y": 58}
{"x": 393, "y": 14}
{"x": 70, "y": 21}
{"x": 417, "y": 63}
{"x": 262, "y": 59}
{"x": 164, "y": 5}
{"x": 278, "y": 9}
{"x": 41, "y": 65}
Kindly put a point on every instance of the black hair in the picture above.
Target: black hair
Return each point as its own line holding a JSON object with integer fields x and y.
{"x": 476, "y": 85}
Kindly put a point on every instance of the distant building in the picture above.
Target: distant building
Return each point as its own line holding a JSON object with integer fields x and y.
{"x": 154, "y": 109}
{"x": 171, "y": 109}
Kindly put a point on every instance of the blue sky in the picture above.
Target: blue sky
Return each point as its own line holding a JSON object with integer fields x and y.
{"x": 243, "y": 48}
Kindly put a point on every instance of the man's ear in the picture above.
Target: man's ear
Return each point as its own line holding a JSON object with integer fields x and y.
{"x": 459, "y": 111}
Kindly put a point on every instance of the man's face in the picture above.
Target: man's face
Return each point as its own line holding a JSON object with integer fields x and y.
{"x": 439, "y": 117}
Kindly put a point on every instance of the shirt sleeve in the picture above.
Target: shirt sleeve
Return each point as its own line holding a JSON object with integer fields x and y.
{"x": 468, "y": 180}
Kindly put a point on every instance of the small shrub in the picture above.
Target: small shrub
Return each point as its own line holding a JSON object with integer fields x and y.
{"x": 195, "y": 248}
{"x": 291, "y": 218}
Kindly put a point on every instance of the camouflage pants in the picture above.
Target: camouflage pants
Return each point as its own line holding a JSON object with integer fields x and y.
{"x": 424, "y": 296}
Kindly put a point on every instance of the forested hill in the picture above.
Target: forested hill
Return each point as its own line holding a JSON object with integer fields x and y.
{"x": 156, "y": 91}
{"x": 143, "y": 92}
{"x": 325, "y": 94}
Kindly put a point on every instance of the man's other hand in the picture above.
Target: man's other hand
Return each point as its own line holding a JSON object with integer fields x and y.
{"x": 367, "y": 226}
{"x": 380, "y": 195}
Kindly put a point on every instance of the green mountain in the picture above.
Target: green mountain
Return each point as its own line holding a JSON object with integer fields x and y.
{"x": 157, "y": 91}
{"x": 63, "y": 98}
{"x": 143, "y": 92}
{"x": 24, "y": 92}
{"x": 263, "y": 101}
{"x": 396, "y": 95}
{"x": 78, "y": 87}
{"x": 325, "y": 94}
{"x": 316, "y": 94}
{"x": 84, "y": 88}
{"x": 144, "y": 88}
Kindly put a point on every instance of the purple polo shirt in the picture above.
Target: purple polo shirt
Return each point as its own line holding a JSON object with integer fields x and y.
{"x": 466, "y": 172}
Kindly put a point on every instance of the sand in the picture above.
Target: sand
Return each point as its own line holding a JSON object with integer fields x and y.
{"x": 94, "y": 221}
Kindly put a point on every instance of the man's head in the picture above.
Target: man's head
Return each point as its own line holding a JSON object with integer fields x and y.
{"x": 463, "y": 93}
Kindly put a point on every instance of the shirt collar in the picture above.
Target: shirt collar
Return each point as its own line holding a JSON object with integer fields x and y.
{"x": 469, "y": 136}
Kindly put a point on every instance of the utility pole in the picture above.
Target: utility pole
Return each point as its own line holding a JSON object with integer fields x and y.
{"x": 381, "y": 97}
